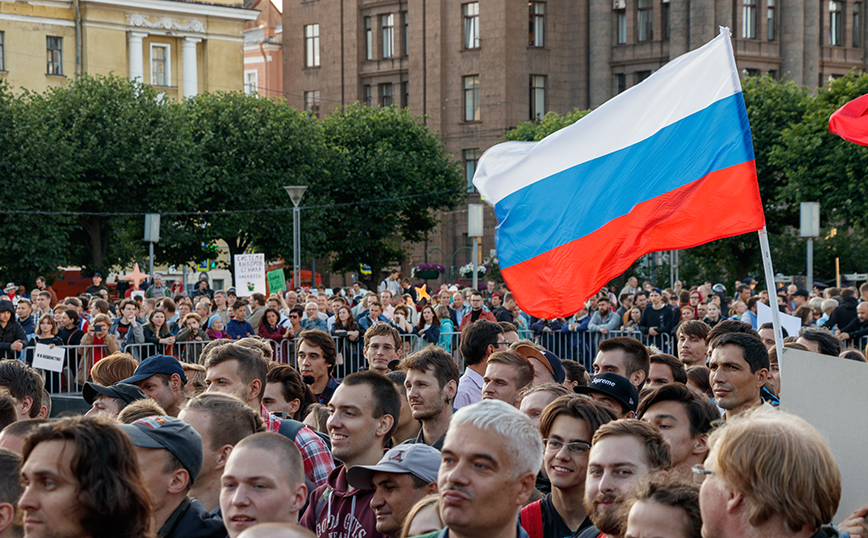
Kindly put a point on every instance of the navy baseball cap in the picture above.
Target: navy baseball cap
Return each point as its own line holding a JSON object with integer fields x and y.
{"x": 547, "y": 358}
{"x": 614, "y": 386}
{"x": 120, "y": 390}
{"x": 158, "y": 364}
{"x": 170, "y": 433}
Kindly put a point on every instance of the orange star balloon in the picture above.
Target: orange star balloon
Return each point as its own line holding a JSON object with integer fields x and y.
{"x": 136, "y": 276}
{"x": 421, "y": 293}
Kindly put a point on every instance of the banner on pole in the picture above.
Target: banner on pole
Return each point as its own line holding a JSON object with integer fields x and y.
{"x": 249, "y": 274}
{"x": 49, "y": 358}
{"x": 276, "y": 281}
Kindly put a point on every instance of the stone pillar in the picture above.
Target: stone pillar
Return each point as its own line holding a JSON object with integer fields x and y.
{"x": 191, "y": 69}
{"x": 137, "y": 62}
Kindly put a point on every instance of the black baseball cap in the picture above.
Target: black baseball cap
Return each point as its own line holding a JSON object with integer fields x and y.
{"x": 120, "y": 390}
{"x": 170, "y": 433}
{"x": 801, "y": 292}
{"x": 614, "y": 386}
{"x": 158, "y": 364}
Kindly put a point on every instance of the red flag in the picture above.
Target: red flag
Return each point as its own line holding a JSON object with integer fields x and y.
{"x": 850, "y": 121}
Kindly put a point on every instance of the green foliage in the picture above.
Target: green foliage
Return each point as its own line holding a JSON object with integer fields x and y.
{"x": 248, "y": 149}
{"x": 536, "y": 130}
{"x": 107, "y": 145}
{"x": 383, "y": 153}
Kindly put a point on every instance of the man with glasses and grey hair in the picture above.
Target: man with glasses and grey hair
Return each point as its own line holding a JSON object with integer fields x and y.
{"x": 491, "y": 456}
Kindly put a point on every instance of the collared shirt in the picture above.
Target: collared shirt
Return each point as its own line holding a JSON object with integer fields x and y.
{"x": 318, "y": 462}
{"x": 420, "y": 440}
{"x": 329, "y": 391}
{"x": 469, "y": 389}
{"x": 445, "y": 533}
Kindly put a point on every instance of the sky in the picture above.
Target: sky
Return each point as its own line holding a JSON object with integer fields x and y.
{"x": 278, "y": 4}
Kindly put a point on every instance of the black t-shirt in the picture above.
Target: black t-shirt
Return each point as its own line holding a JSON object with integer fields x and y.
{"x": 553, "y": 525}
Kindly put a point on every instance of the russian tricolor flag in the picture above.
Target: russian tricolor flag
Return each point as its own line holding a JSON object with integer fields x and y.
{"x": 668, "y": 164}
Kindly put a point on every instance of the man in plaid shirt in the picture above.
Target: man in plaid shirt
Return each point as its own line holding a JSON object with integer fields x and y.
{"x": 241, "y": 372}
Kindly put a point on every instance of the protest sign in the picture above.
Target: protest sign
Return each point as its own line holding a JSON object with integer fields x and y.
{"x": 48, "y": 358}
{"x": 829, "y": 392}
{"x": 249, "y": 274}
{"x": 792, "y": 324}
{"x": 276, "y": 281}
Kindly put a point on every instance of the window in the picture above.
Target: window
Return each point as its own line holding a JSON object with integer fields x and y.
{"x": 773, "y": 74}
{"x": 387, "y": 94}
{"x": 251, "y": 82}
{"x": 537, "y": 97}
{"x": 536, "y": 24}
{"x": 388, "y": 24}
{"x": 642, "y": 75}
{"x": 622, "y": 26}
{"x": 622, "y": 82}
{"x": 369, "y": 40}
{"x": 406, "y": 19}
{"x": 54, "y": 55}
{"x": 311, "y": 103}
{"x": 646, "y": 13}
{"x": 665, "y": 8}
{"x": 2, "y": 51}
{"x": 748, "y": 19}
{"x": 405, "y": 94}
{"x": 311, "y": 45}
{"x": 770, "y": 20}
{"x": 751, "y": 72}
{"x": 161, "y": 74}
{"x": 471, "y": 157}
{"x": 471, "y": 98}
{"x": 857, "y": 25}
{"x": 471, "y": 25}
{"x": 367, "y": 90}
{"x": 835, "y": 22}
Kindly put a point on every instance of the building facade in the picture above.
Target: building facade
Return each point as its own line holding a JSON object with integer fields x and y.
{"x": 476, "y": 69}
{"x": 263, "y": 51}
{"x": 181, "y": 48}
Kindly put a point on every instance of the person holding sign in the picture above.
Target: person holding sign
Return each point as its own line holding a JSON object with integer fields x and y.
{"x": 46, "y": 334}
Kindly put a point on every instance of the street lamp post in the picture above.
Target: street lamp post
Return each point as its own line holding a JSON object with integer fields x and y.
{"x": 295, "y": 193}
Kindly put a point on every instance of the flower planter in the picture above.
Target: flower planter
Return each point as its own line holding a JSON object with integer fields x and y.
{"x": 428, "y": 275}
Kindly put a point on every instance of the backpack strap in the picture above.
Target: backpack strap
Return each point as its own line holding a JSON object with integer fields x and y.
{"x": 531, "y": 519}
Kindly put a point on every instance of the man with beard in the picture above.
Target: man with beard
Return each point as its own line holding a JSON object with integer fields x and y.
{"x": 622, "y": 453}
{"x": 432, "y": 381}
{"x": 567, "y": 426}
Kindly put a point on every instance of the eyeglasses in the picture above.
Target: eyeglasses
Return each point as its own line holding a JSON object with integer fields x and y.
{"x": 293, "y": 316}
{"x": 699, "y": 473}
{"x": 501, "y": 343}
{"x": 577, "y": 448}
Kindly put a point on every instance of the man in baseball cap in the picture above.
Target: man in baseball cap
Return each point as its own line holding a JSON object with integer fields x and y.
{"x": 162, "y": 378}
{"x": 111, "y": 400}
{"x": 404, "y": 475}
{"x": 547, "y": 367}
{"x": 614, "y": 391}
{"x": 170, "y": 456}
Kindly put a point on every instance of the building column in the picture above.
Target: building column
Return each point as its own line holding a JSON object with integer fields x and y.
{"x": 137, "y": 62}
{"x": 191, "y": 70}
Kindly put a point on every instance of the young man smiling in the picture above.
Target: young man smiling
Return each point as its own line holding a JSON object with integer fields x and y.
{"x": 362, "y": 417}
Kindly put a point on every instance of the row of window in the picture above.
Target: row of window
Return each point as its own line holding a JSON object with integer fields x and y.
{"x": 161, "y": 74}
{"x": 836, "y": 23}
{"x": 537, "y": 99}
{"x": 644, "y": 21}
{"x": 387, "y": 94}
{"x": 535, "y": 30}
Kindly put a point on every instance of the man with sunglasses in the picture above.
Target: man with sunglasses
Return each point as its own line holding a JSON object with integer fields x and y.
{"x": 567, "y": 425}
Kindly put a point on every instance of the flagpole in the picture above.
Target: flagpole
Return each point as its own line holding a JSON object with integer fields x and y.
{"x": 772, "y": 288}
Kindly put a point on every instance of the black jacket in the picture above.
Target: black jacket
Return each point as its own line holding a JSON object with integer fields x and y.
{"x": 10, "y": 333}
{"x": 843, "y": 315}
{"x": 192, "y": 520}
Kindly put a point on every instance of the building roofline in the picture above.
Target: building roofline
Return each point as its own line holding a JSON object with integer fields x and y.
{"x": 185, "y": 8}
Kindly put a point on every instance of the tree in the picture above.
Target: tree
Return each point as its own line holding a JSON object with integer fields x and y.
{"x": 124, "y": 149}
{"x": 248, "y": 149}
{"x": 383, "y": 154}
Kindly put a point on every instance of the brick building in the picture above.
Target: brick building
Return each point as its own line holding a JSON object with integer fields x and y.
{"x": 477, "y": 69}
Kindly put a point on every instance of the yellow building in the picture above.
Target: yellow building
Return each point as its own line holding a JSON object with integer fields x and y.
{"x": 180, "y": 47}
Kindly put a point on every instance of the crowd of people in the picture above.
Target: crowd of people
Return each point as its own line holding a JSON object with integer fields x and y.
{"x": 228, "y": 440}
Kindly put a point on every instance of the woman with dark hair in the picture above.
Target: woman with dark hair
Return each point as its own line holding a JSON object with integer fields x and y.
{"x": 429, "y": 326}
{"x": 270, "y": 328}
{"x": 157, "y": 332}
{"x": 346, "y": 335}
{"x": 46, "y": 333}
{"x": 68, "y": 330}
